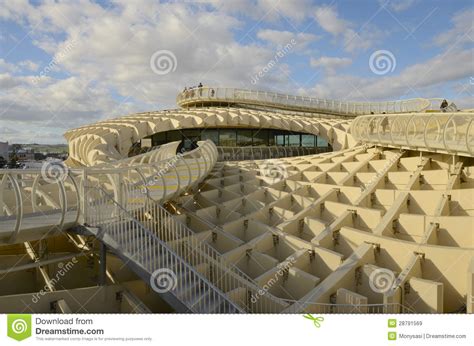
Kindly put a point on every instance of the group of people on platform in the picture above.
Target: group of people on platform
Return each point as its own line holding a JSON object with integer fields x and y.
{"x": 191, "y": 91}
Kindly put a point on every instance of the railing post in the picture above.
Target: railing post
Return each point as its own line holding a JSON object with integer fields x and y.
{"x": 84, "y": 195}
{"x": 120, "y": 188}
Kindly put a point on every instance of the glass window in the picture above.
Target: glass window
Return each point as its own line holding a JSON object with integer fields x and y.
{"x": 271, "y": 141}
{"x": 191, "y": 133}
{"x": 190, "y": 138}
{"x": 244, "y": 138}
{"x": 240, "y": 137}
{"x": 189, "y": 144}
{"x": 260, "y": 137}
{"x": 321, "y": 142}
{"x": 279, "y": 139}
{"x": 173, "y": 136}
{"x": 211, "y": 134}
{"x": 159, "y": 138}
{"x": 293, "y": 141}
{"x": 308, "y": 141}
{"x": 227, "y": 138}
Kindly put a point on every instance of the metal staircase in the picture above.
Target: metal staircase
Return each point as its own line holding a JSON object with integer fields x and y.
{"x": 183, "y": 287}
{"x": 151, "y": 240}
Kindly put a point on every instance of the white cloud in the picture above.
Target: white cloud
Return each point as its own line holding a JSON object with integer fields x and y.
{"x": 282, "y": 38}
{"x": 105, "y": 56}
{"x": 295, "y": 9}
{"x": 266, "y": 10}
{"x": 109, "y": 54}
{"x": 61, "y": 103}
{"x": 29, "y": 65}
{"x": 7, "y": 81}
{"x": 462, "y": 31}
{"x": 398, "y": 5}
{"x": 328, "y": 18}
{"x": 39, "y": 134}
{"x": 434, "y": 77}
{"x": 7, "y": 67}
{"x": 116, "y": 49}
{"x": 419, "y": 80}
{"x": 330, "y": 64}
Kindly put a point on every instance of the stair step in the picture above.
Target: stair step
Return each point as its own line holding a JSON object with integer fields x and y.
{"x": 211, "y": 304}
{"x": 199, "y": 299}
{"x": 189, "y": 291}
{"x": 184, "y": 291}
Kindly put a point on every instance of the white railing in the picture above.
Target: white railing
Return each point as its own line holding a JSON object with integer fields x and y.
{"x": 263, "y": 153}
{"x": 208, "y": 95}
{"x": 183, "y": 241}
{"x": 435, "y": 104}
{"x": 158, "y": 153}
{"x": 451, "y": 133}
{"x": 223, "y": 274}
{"x": 328, "y": 308}
{"x": 133, "y": 241}
{"x": 32, "y": 200}
{"x": 130, "y": 215}
{"x": 28, "y": 195}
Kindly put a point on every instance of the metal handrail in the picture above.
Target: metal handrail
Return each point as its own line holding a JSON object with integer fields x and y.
{"x": 451, "y": 133}
{"x": 134, "y": 201}
{"x": 20, "y": 180}
{"x": 225, "y": 274}
{"x": 209, "y": 95}
{"x": 265, "y": 152}
{"x": 140, "y": 241}
{"x": 327, "y": 308}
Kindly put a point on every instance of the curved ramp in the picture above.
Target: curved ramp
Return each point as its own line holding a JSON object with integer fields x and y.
{"x": 34, "y": 204}
{"x": 451, "y": 133}
{"x": 208, "y": 96}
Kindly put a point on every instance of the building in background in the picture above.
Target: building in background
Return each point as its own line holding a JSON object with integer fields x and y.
{"x": 25, "y": 154}
{"x": 4, "y": 150}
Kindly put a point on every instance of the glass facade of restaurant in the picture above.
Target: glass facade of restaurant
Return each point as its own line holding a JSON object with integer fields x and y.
{"x": 240, "y": 137}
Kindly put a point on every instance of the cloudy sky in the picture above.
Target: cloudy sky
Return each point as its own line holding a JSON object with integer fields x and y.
{"x": 68, "y": 63}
